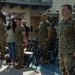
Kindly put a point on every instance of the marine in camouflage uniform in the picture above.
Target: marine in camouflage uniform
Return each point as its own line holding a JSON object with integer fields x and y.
{"x": 44, "y": 37}
{"x": 2, "y": 37}
{"x": 19, "y": 32}
{"x": 67, "y": 46}
{"x": 2, "y": 40}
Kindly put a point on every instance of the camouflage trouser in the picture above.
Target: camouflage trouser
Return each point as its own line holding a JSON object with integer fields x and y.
{"x": 44, "y": 49}
{"x": 2, "y": 48}
{"x": 20, "y": 54}
{"x": 67, "y": 63}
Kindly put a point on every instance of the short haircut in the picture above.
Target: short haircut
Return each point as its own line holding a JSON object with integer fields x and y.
{"x": 18, "y": 19}
{"x": 68, "y": 6}
{"x": 44, "y": 15}
{"x": 23, "y": 20}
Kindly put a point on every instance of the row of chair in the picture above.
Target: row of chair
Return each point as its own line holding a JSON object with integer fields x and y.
{"x": 33, "y": 54}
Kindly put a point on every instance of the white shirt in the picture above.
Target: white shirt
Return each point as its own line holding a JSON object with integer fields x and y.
{"x": 11, "y": 36}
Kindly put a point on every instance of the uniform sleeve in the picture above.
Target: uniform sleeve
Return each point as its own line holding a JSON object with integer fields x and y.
{"x": 74, "y": 27}
{"x": 49, "y": 26}
{"x": 4, "y": 26}
{"x": 73, "y": 24}
{"x": 23, "y": 30}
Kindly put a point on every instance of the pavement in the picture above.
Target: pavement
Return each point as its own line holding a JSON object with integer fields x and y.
{"x": 49, "y": 69}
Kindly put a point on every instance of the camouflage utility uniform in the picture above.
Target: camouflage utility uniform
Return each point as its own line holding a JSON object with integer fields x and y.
{"x": 2, "y": 40}
{"x": 43, "y": 35}
{"x": 67, "y": 46}
{"x": 19, "y": 32}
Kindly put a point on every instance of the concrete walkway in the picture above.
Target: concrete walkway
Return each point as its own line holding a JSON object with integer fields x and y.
{"x": 6, "y": 69}
{"x": 48, "y": 69}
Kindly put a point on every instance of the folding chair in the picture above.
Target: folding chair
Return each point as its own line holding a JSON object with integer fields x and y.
{"x": 32, "y": 53}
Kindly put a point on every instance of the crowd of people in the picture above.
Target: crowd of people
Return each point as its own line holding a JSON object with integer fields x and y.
{"x": 15, "y": 36}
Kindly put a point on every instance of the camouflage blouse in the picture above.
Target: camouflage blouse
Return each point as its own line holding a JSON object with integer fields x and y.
{"x": 43, "y": 32}
{"x": 2, "y": 32}
{"x": 67, "y": 35}
{"x": 19, "y": 32}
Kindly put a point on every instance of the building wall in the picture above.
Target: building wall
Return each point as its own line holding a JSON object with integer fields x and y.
{"x": 58, "y": 3}
{"x": 54, "y": 10}
{"x": 56, "y": 6}
{"x": 18, "y": 10}
{"x": 28, "y": 12}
